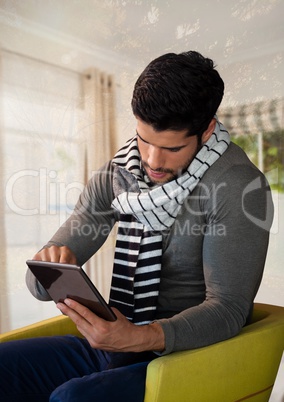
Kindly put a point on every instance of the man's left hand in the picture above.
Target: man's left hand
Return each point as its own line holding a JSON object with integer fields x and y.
{"x": 114, "y": 336}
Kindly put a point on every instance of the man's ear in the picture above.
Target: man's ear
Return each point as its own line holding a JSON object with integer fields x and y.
{"x": 208, "y": 132}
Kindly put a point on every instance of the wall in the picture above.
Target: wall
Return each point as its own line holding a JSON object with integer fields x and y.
{"x": 38, "y": 42}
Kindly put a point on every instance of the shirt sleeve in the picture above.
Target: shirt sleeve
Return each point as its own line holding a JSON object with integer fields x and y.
{"x": 88, "y": 227}
{"x": 233, "y": 261}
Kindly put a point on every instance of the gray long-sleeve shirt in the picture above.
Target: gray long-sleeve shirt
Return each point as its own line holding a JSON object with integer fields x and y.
{"x": 213, "y": 255}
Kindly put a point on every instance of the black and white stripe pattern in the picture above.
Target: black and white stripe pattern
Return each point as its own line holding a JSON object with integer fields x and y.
{"x": 143, "y": 217}
{"x": 137, "y": 264}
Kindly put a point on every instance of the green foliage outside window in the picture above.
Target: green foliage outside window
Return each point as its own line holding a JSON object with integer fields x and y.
{"x": 272, "y": 155}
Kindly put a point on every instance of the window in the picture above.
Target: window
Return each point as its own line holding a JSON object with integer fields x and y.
{"x": 266, "y": 150}
{"x": 43, "y": 170}
{"x": 258, "y": 129}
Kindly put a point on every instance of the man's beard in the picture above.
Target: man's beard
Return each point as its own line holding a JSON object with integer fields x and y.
{"x": 173, "y": 175}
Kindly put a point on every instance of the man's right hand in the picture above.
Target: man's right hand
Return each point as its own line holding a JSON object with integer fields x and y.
{"x": 61, "y": 254}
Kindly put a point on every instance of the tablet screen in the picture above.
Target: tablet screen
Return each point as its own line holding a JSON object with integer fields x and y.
{"x": 64, "y": 280}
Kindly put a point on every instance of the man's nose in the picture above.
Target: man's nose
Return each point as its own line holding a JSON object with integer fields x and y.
{"x": 155, "y": 158}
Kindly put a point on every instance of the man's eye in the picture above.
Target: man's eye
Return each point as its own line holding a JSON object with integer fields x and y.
{"x": 174, "y": 149}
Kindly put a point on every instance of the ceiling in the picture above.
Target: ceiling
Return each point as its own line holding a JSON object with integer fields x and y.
{"x": 140, "y": 30}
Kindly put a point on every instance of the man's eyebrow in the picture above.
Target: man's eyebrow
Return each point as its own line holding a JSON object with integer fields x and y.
{"x": 169, "y": 148}
{"x": 142, "y": 139}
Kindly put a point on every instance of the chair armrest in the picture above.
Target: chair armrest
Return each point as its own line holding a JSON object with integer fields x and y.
{"x": 236, "y": 369}
{"x": 59, "y": 325}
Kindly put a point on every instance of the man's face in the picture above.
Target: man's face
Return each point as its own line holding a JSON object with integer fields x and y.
{"x": 165, "y": 154}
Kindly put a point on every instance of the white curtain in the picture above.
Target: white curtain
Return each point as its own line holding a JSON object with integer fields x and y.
{"x": 99, "y": 134}
{"x": 4, "y": 317}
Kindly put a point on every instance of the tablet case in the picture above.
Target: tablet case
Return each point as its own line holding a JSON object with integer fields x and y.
{"x": 65, "y": 280}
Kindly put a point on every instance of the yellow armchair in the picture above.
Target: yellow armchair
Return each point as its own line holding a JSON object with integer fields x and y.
{"x": 242, "y": 368}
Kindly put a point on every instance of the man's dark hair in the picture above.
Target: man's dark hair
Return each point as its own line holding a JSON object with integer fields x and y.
{"x": 178, "y": 92}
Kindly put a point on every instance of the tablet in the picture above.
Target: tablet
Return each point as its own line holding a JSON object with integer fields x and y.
{"x": 65, "y": 280}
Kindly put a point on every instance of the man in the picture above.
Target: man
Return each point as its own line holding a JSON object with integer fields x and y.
{"x": 193, "y": 217}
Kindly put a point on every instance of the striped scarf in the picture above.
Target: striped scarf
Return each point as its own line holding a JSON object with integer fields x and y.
{"x": 144, "y": 215}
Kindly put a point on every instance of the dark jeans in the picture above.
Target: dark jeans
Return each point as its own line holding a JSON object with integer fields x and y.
{"x": 66, "y": 368}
